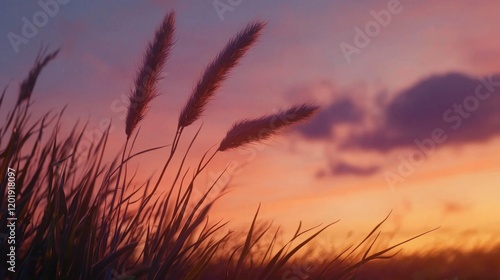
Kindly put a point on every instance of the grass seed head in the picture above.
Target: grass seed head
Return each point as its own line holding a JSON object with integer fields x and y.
{"x": 255, "y": 130}
{"x": 150, "y": 73}
{"x": 218, "y": 71}
{"x": 28, "y": 84}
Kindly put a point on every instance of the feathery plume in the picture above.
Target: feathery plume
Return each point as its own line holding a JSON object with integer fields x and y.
{"x": 254, "y": 130}
{"x": 28, "y": 84}
{"x": 149, "y": 74}
{"x": 218, "y": 71}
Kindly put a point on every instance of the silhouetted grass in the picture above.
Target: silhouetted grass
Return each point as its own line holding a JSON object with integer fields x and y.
{"x": 480, "y": 263}
{"x": 451, "y": 264}
{"x": 81, "y": 217}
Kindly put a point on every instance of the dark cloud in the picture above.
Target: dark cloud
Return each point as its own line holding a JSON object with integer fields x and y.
{"x": 466, "y": 109}
{"x": 344, "y": 168}
{"x": 340, "y": 111}
{"x": 454, "y": 108}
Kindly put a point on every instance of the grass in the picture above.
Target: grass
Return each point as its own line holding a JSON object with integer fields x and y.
{"x": 82, "y": 217}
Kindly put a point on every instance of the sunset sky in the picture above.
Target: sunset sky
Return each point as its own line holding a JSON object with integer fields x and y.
{"x": 409, "y": 120}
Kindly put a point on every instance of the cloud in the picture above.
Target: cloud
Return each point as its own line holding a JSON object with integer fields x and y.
{"x": 453, "y": 207}
{"x": 466, "y": 109}
{"x": 347, "y": 169}
{"x": 344, "y": 168}
{"x": 343, "y": 110}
